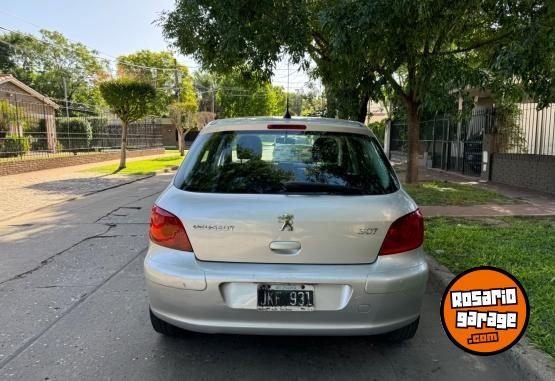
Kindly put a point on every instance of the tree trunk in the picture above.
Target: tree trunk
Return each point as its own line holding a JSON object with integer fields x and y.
{"x": 413, "y": 142}
{"x": 363, "y": 108}
{"x": 123, "y": 146}
{"x": 181, "y": 141}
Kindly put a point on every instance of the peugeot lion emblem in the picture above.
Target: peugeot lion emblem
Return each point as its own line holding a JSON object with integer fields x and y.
{"x": 287, "y": 221}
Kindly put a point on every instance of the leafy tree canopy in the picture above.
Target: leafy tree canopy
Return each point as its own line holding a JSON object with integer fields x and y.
{"x": 418, "y": 51}
{"x": 183, "y": 115}
{"x": 313, "y": 103}
{"x": 205, "y": 84}
{"x": 129, "y": 99}
{"x": 158, "y": 69}
{"x": 44, "y": 63}
{"x": 237, "y": 96}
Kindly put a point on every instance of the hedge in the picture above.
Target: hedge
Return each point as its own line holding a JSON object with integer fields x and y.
{"x": 74, "y": 132}
{"x": 13, "y": 145}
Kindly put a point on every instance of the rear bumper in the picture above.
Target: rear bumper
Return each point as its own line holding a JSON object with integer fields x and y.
{"x": 216, "y": 297}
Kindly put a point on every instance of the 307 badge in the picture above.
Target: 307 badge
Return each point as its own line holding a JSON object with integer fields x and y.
{"x": 367, "y": 231}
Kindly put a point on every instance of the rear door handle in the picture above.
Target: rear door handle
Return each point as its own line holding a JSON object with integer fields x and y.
{"x": 285, "y": 247}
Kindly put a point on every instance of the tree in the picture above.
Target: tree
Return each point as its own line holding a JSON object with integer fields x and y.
{"x": 238, "y": 96}
{"x": 183, "y": 116}
{"x": 205, "y": 85}
{"x": 203, "y": 118}
{"x": 44, "y": 63}
{"x": 307, "y": 103}
{"x": 420, "y": 50}
{"x": 170, "y": 79}
{"x": 423, "y": 50}
{"x": 130, "y": 100}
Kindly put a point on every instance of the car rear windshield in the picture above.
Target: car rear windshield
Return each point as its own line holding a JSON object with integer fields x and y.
{"x": 284, "y": 162}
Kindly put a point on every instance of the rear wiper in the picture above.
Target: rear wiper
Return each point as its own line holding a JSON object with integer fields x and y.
{"x": 302, "y": 187}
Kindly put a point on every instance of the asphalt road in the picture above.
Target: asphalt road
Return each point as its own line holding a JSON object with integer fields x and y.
{"x": 73, "y": 306}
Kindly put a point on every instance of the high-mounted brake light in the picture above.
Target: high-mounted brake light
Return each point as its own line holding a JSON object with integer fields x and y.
{"x": 286, "y": 126}
{"x": 406, "y": 233}
{"x": 167, "y": 230}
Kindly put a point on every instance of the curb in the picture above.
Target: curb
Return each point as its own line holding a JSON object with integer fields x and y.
{"x": 523, "y": 357}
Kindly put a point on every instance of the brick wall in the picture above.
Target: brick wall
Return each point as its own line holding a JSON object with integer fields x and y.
{"x": 528, "y": 171}
{"x": 20, "y": 166}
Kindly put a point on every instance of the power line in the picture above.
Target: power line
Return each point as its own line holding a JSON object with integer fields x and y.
{"x": 114, "y": 59}
{"x": 86, "y": 77}
{"x": 117, "y": 61}
{"x": 92, "y": 52}
{"x": 111, "y": 57}
{"x": 100, "y": 52}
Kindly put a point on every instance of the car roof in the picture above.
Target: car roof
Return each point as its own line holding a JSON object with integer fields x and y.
{"x": 258, "y": 123}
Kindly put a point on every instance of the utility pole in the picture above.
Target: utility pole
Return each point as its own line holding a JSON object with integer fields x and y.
{"x": 177, "y": 87}
{"x": 178, "y": 117}
{"x": 68, "y": 143}
{"x": 65, "y": 97}
{"x": 213, "y": 96}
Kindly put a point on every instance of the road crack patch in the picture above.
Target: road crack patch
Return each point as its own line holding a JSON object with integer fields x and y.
{"x": 46, "y": 261}
{"x": 81, "y": 299}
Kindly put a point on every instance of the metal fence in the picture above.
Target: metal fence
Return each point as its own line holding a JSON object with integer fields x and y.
{"x": 446, "y": 141}
{"x": 531, "y": 131}
{"x": 34, "y": 129}
{"x": 456, "y": 143}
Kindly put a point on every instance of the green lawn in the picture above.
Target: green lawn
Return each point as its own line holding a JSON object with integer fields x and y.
{"x": 140, "y": 167}
{"x": 523, "y": 246}
{"x": 448, "y": 193}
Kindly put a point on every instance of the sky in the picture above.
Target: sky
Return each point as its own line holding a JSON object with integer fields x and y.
{"x": 112, "y": 27}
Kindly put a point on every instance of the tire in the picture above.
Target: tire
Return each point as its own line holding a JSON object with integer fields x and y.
{"x": 404, "y": 333}
{"x": 163, "y": 327}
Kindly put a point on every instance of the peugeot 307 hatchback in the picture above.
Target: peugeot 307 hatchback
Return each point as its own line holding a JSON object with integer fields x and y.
{"x": 286, "y": 226}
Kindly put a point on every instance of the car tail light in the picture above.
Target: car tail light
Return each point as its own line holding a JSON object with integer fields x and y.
{"x": 407, "y": 233}
{"x": 167, "y": 230}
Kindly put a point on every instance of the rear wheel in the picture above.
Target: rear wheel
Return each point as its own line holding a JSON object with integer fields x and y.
{"x": 404, "y": 333}
{"x": 163, "y": 327}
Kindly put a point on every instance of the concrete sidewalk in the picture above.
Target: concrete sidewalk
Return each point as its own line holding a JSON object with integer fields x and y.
{"x": 533, "y": 203}
{"x": 27, "y": 192}
{"x": 488, "y": 210}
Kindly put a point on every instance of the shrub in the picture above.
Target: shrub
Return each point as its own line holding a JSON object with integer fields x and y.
{"x": 11, "y": 116}
{"x": 8, "y": 115}
{"x": 75, "y": 132}
{"x": 510, "y": 135}
{"x": 98, "y": 123}
{"x": 36, "y": 126}
{"x": 100, "y": 126}
{"x": 378, "y": 128}
{"x": 37, "y": 135}
{"x": 14, "y": 146}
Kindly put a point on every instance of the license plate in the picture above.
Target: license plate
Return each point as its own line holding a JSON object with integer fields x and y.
{"x": 285, "y": 297}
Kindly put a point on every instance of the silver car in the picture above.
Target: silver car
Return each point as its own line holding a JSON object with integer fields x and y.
{"x": 313, "y": 241}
